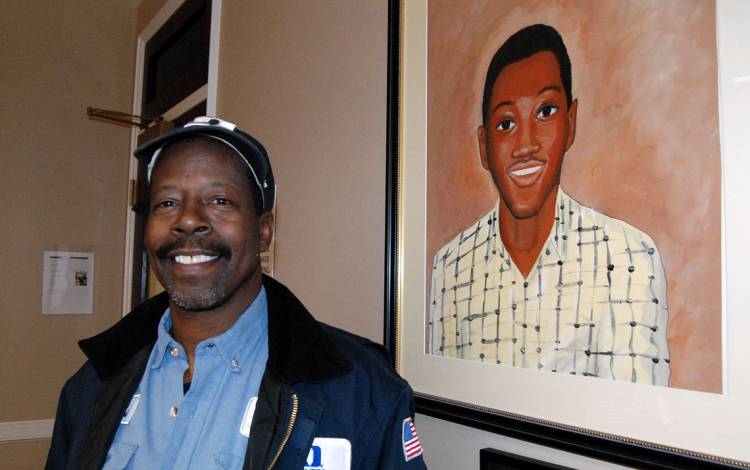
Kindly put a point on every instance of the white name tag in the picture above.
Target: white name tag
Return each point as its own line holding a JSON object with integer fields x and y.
{"x": 247, "y": 418}
{"x": 130, "y": 411}
{"x": 329, "y": 453}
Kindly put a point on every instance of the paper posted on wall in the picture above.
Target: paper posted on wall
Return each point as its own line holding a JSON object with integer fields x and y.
{"x": 68, "y": 283}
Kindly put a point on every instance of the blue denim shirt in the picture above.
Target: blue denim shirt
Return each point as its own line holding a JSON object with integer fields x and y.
{"x": 207, "y": 427}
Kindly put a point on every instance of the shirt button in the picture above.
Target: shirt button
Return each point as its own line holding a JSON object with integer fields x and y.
{"x": 174, "y": 352}
{"x": 173, "y": 411}
{"x": 235, "y": 363}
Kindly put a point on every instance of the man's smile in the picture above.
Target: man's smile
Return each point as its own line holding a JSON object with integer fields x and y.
{"x": 193, "y": 263}
{"x": 194, "y": 259}
{"x": 193, "y": 256}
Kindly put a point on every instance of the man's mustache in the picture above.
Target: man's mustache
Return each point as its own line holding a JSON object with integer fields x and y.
{"x": 194, "y": 243}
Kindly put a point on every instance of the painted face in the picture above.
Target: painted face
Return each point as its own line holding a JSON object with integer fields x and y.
{"x": 528, "y": 130}
{"x": 202, "y": 235}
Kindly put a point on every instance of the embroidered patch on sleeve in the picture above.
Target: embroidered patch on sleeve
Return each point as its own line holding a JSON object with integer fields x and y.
{"x": 410, "y": 440}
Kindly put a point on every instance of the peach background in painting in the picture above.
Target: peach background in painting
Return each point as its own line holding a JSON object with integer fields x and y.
{"x": 646, "y": 151}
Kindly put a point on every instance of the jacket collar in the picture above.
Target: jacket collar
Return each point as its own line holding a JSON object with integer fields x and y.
{"x": 298, "y": 348}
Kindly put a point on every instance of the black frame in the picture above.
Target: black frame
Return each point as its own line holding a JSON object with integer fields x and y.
{"x": 596, "y": 445}
{"x": 493, "y": 459}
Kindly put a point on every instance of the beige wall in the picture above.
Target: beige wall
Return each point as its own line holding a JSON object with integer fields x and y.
{"x": 29, "y": 455}
{"x": 308, "y": 80}
{"x": 63, "y": 181}
{"x": 147, "y": 9}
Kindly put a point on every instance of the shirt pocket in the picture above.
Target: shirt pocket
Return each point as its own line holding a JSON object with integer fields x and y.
{"x": 226, "y": 461}
{"x": 120, "y": 457}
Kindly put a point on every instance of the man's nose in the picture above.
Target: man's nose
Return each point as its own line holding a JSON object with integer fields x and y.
{"x": 527, "y": 143}
{"x": 191, "y": 220}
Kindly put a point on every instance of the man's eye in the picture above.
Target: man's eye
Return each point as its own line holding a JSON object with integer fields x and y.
{"x": 547, "y": 111}
{"x": 221, "y": 201}
{"x": 506, "y": 125}
{"x": 164, "y": 204}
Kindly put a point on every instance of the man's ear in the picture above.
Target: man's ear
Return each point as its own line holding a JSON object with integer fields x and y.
{"x": 572, "y": 116}
{"x": 482, "y": 139}
{"x": 265, "y": 230}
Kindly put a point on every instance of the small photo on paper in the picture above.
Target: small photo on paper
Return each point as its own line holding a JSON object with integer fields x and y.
{"x": 81, "y": 278}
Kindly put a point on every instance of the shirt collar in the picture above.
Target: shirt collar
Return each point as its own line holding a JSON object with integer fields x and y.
{"x": 300, "y": 349}
{"x": 235, "y": 345}
{"x": 558, "y": 233}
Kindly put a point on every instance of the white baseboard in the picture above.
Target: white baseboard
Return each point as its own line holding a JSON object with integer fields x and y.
{"x": 12, "y": 431}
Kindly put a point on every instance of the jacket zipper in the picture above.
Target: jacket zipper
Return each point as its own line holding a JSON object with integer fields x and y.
{"x": 292, "y": 419}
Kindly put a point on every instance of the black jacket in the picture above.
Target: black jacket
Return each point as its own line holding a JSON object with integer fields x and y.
{"x": 319, "y": 382}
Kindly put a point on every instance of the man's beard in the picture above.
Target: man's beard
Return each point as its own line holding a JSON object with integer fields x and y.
{"x": 197, "y": 299}
{"x": 191, "y": 297}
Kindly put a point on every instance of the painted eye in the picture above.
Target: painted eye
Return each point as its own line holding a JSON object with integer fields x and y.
{"x": 547, "y": 111}
{"x": 506, "y": 125}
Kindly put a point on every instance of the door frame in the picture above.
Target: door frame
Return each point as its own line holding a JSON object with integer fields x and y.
{"x": 207, "y": 92}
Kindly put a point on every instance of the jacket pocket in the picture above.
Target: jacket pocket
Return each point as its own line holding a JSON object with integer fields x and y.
{"x": 120, "y": 457}
{"x": 226, "y": 461}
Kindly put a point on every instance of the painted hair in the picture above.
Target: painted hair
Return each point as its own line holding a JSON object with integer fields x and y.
{"x": 522, "y": 45}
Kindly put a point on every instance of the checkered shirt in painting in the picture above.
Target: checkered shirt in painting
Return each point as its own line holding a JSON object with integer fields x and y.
{"x": 594, "y": 304}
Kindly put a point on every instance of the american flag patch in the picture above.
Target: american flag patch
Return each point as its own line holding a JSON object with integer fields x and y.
{"x": 410, "y": 440}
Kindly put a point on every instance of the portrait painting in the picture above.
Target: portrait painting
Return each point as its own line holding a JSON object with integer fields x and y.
{"x": 573, "y": 189}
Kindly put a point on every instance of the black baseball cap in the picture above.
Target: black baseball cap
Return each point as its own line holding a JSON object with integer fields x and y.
{"x": 246, "y": 146}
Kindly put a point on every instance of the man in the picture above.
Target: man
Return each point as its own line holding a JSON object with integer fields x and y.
{"x": 542, "y": 281}
{"x": 226, "y": 369}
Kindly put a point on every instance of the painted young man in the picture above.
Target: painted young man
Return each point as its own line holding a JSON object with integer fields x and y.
{"x": 542, "y": 281}
{"x": 226, "y": 369}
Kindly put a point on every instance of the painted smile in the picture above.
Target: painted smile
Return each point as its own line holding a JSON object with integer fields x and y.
{"x": 525, "y": 173}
